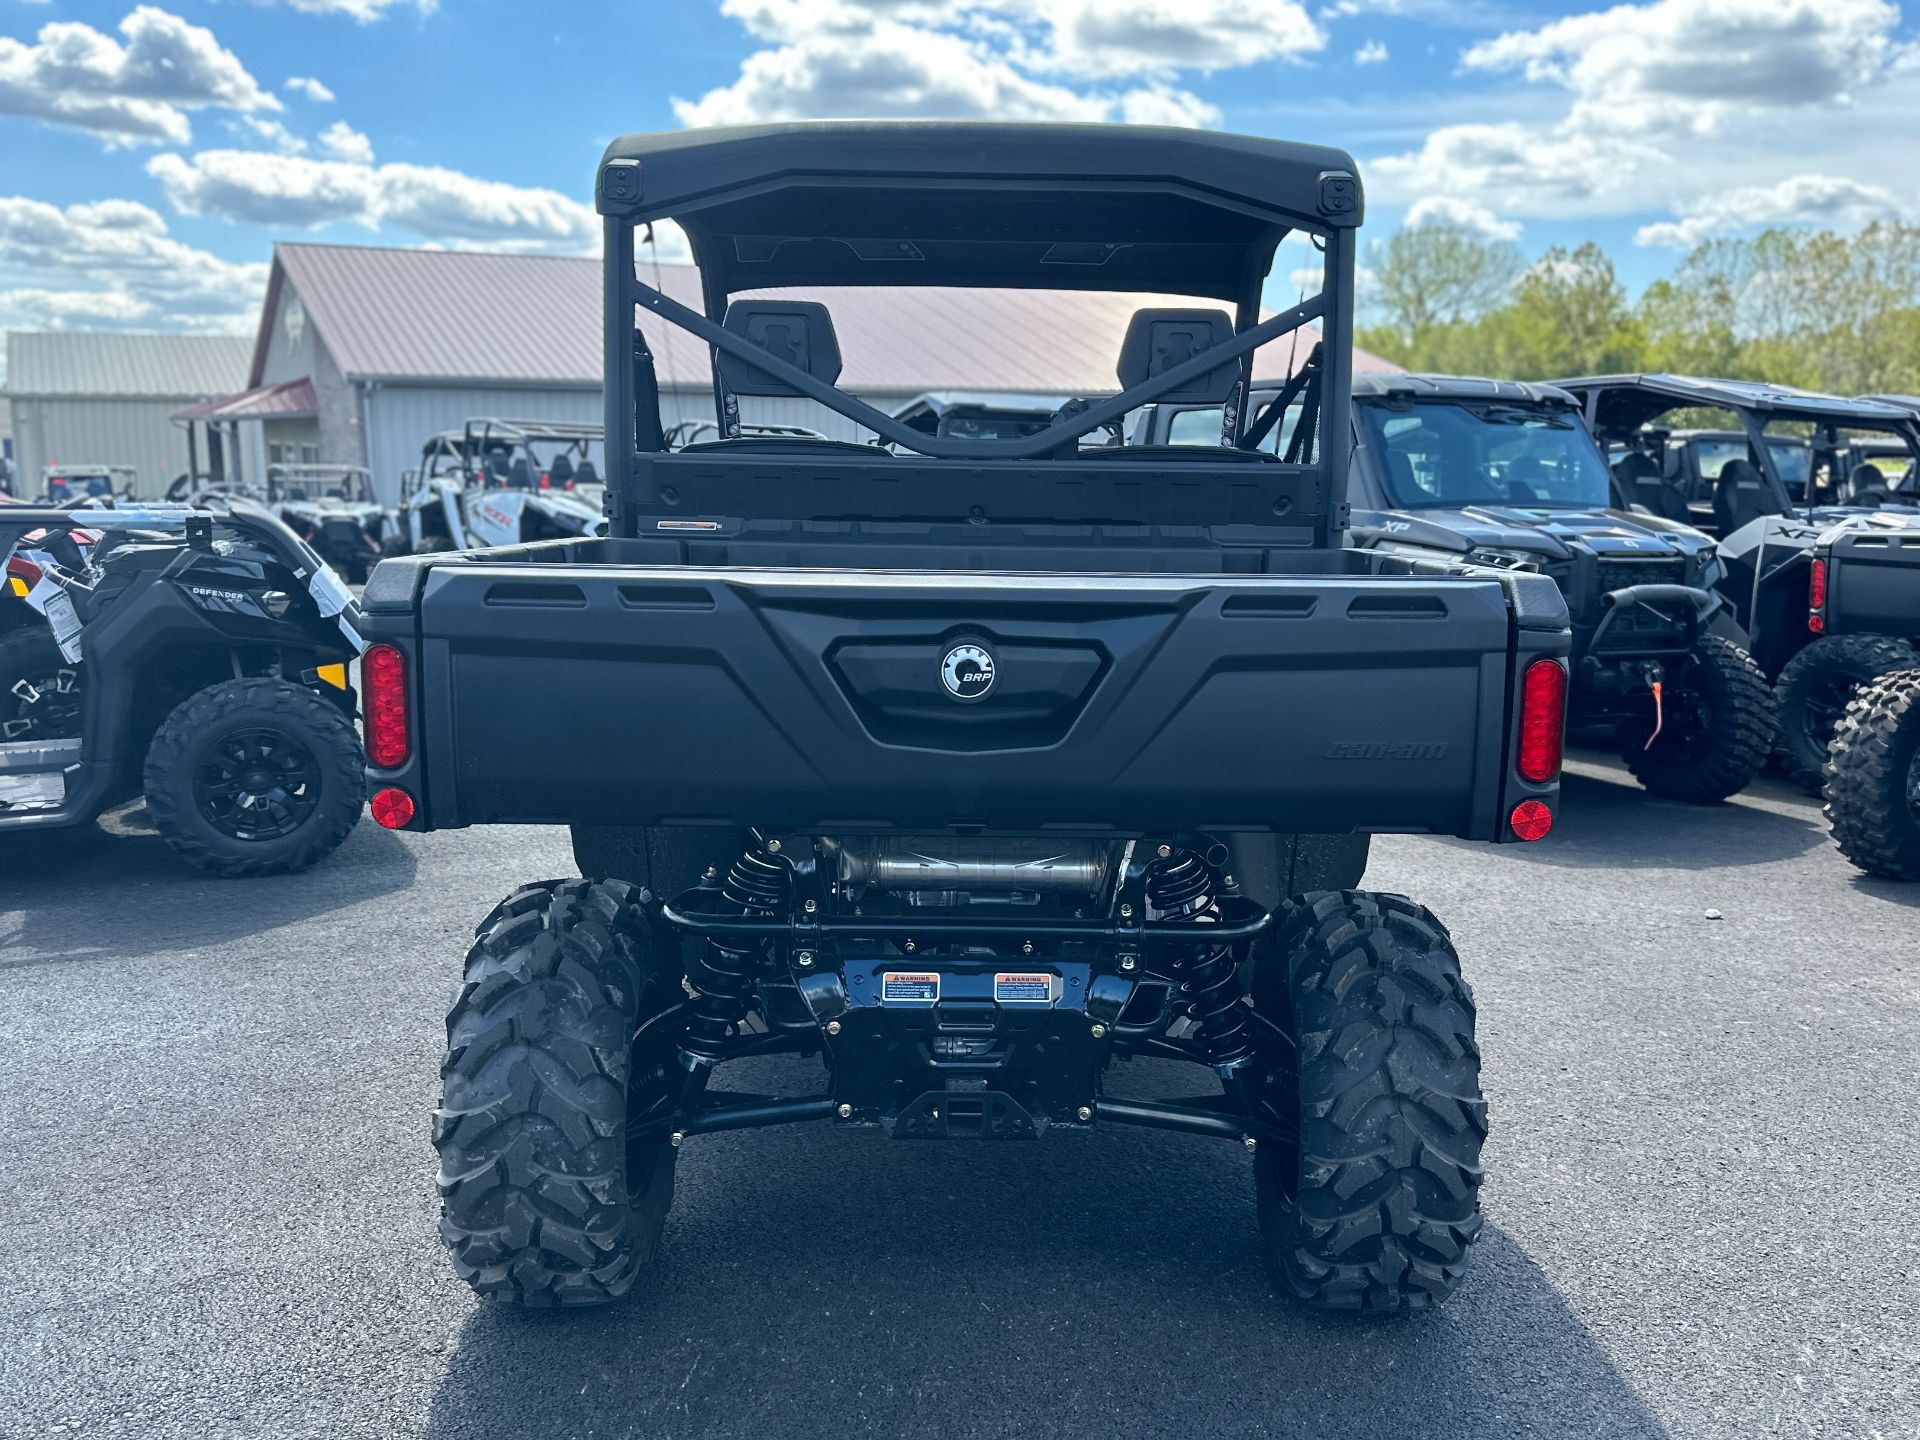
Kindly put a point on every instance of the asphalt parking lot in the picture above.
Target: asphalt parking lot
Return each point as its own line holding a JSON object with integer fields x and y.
{"x": 219, "y": 1210}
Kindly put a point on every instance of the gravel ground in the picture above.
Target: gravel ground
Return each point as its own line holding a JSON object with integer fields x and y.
{"x": 218, "y": 1192}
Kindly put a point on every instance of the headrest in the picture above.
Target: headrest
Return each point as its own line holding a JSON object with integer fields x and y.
{"x": 799, "y": 332}
{"x": 1158, "y": 340}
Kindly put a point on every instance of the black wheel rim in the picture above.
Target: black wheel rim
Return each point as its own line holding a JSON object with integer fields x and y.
{"x": 256, "y": 785}
{"x": 1825, "y": 702}
{"x": 42, "y": 707}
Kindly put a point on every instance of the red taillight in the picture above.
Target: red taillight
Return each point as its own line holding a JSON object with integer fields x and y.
{"x": 1543, "y": 719}
{"x": 1816, "y": 596}
{"x": 383, "y": 675}
{"x": 391, "y": 808}
{"x": 1531, "y": 820}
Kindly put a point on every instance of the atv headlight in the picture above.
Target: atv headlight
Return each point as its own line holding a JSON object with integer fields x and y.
{"x": 1504, "y": 559}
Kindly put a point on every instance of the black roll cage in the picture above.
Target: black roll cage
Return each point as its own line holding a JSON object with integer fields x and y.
{"x": 628, "y": 363}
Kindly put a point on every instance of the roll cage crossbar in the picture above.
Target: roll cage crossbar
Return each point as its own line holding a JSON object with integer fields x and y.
{"x": 1029, "y": 447}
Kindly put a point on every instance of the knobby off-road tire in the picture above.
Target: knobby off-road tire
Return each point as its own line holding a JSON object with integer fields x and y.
{"x": 39, "y": 689}
{"x": 560, "y": 1036}
{"x": 1873, "y": 778}
{"x": 1720, "y": 728}
{"x": 1376, "y": 1205}
{"x": 289, "y": 748}
{"x": 1815, "y": 688}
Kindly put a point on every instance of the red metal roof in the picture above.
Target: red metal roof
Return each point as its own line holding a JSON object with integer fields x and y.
{"x": 289, "y": 400}
{"x": 450, "y": 316}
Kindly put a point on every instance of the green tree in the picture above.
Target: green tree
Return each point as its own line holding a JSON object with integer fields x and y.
{"x": 1432, "y": 276}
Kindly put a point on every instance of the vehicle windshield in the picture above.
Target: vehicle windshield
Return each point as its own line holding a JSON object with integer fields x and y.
{"x": 1439, "y": 455}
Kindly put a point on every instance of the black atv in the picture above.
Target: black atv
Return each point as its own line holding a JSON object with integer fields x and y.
{"x": 1828, "y": 594}
{"x": 971, "y": 765}
{"x": 1503, "y": 474}
{"x": 198, "y": 656}
{"x": 1873, "y": 777}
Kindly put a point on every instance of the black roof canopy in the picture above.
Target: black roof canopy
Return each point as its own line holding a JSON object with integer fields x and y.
{"x": 1043, "y": 206}
{"x": 1622, "y": 404}
{"x": 1388, "y": 385}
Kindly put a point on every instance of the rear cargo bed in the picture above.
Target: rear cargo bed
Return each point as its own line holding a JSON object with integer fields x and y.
{"x": 812, "y": 700}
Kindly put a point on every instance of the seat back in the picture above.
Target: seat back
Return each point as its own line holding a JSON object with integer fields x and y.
{"x": 1740, "y": 496}
{"x": 799, "y": 332}
{"x": 561, "y": 470}
{"x": 587, "y": 474}
{"x": 519, "y": 475}
{"x": 1641, "y": 479}
{"x": 1158, "y": 340}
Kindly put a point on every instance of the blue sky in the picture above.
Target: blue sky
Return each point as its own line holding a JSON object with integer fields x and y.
{"x": 151, "y": 153}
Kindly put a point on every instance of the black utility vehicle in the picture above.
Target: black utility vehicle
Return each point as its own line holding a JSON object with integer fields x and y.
{"x": 974, "y": 767}
{"x": 1505, "y": 474}
{"x": 1828, "y": 594}
{"x": 198, "y": 655}
{"x": 990, "y": 415}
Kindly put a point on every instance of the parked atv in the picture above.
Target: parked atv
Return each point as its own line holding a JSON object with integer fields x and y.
{"x": 332, "y": 508}
{"x": 502, "y": 482}
{"x": 72, "y": 484}
{"x": 969, "y": 764}
{"x": 1873, "y": 777}
{"x": 197, "y": 655}
{"x": 1504, "y": 474}
{"x": 1827, "y": 594}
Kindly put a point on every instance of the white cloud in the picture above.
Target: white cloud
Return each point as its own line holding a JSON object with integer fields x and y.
{"x": 1511, "y": 166}
{"x": 365, "y": 11}
{"x": 128, "y": 91}
{"x": 113, "y": 261}
{"x": 273, "y": 132}
{"x": 311, "y": 88}
{"x": 890, "y": 70}
{"x": 1374, "y": 52}
{"x": 1668, "y": 99}
{"x": 1000, "y": 59}
{"x": 343, "y": 142}
{"x": 1461, "y": 214}
{"x": 1690, "y": 64}
{"x": 424, "y": 201}
{"x": 1828, "y": 200}
{"x": 56, "y": 309}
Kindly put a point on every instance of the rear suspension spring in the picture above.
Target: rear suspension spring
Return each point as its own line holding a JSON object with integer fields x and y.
{"x": 723, "y": 977}
{"x": 1180, "y": 886}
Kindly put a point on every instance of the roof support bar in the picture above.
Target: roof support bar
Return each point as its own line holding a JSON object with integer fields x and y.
{"x": 1028, "y": 447}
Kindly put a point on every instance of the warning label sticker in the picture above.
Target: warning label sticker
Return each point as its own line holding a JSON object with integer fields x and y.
{"x": 909, "y": 987}
{"x": 1023, "y": 987}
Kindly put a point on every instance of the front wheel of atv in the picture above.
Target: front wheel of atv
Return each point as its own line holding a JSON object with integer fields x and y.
{"x": 1717, "y": 731}
{"x": 1814, "y": 690}
{"x": 1873, "y": 778}
{"x": 1370, "y": 1055}
{"x": 255, "y": 777}
{"x": 562, "y": 1038}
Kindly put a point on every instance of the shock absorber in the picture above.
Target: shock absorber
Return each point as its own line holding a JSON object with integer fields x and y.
{"x": 1180, "y": 886}
{"x": 723, "y": 977}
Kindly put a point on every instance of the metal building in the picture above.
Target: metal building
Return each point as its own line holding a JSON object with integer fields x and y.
{"x": 364, "y": 353}
{"x": 109, "y": 399}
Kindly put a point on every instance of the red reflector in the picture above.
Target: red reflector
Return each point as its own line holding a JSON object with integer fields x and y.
{"x": 383, "y": 674}
{"x": 1543, "y": 719}
{"x": 1817, "y": 623}
{"x": 391, "y": 808}
{"x": 1531, "y": 820}
{"x": 1817, "y": 585}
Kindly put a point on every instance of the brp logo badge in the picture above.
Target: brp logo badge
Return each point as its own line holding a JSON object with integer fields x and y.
{"x": 967, "y": 672}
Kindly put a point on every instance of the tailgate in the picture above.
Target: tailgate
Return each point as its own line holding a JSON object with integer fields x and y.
{"x": 816, "y": 701}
